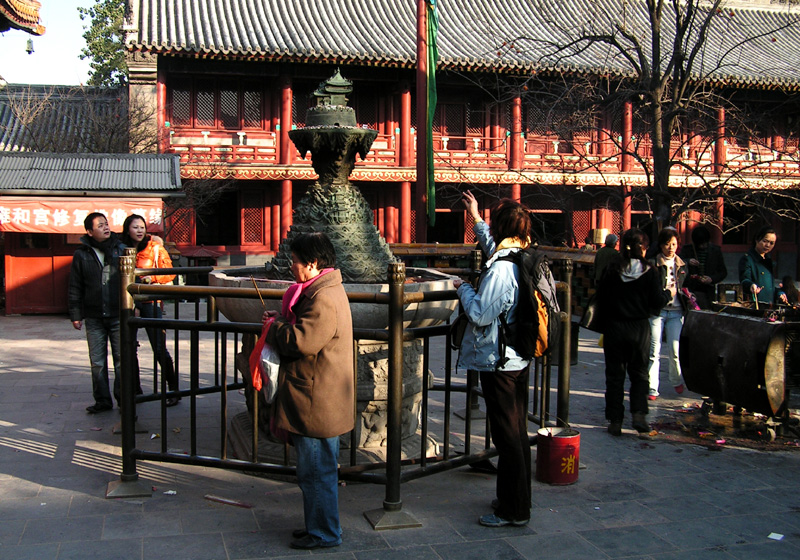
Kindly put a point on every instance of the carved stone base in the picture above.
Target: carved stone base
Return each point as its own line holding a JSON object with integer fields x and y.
{"x": 372, "y": 391}
{"x": 240, "y": 437}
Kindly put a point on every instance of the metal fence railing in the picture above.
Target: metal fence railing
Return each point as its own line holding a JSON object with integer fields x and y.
{"x": 394, "y": 469}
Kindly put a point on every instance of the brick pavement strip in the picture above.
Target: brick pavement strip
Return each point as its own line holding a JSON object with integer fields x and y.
{"x": 653, "y": 499}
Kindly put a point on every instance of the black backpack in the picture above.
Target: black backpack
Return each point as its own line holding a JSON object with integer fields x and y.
{"x": 537, "y": 327}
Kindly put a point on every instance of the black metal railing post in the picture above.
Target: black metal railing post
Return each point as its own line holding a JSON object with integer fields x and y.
{"x": 565, "y": 349}
{"x": 473, "y": 409}
{"x": 392, "y": 516}
{"x": 128, "y": 485}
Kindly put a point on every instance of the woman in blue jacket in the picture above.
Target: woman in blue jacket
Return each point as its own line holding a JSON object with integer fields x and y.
{"x": 755, "y": 269}
{"x": 504, "y": 378}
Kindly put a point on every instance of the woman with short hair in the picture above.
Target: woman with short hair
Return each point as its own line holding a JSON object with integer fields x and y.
{"x": 314, "y": 403}
{"x": 756, "y": 269}
{"x": 503, "y": 377}
{"x": 672, "y": 271}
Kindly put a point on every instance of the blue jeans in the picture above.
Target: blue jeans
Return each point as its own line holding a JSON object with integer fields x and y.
{"x": 672, "y": 322}
{"x": 99, "y": 332}
{"x": 318, "y": 478}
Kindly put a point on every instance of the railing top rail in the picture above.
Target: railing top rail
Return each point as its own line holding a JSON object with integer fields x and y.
{"x": 221, "y": 291}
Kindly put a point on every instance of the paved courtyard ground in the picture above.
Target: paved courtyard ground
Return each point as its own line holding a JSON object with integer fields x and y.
{"x": 674, "y": 495}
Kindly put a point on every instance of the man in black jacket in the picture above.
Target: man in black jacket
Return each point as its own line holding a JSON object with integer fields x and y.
{"x": 94, "y": 299}
{"x": 706, "y": 267}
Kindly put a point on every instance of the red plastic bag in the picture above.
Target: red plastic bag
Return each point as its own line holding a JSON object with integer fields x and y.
{"x": 256, "y": 369}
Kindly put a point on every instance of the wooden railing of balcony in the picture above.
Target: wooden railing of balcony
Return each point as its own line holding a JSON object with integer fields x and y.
{"x": 540, "y": 154}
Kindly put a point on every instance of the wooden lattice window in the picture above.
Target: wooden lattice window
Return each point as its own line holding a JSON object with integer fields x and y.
{"x": 581, "y": 225}
{"x": 229, "y": 108}
{"x": 252, "y": 108}
{"x": 252, "y": 218}
{"x": 181, "y": 225}
{"x": 469, "y": 228}
{"x": 219, "y": 104}
{"x": 182, "y": 106}
{"x": 204, "y": 106}
{"x": 366, "y": 108}
{"x": 449, "y": 122}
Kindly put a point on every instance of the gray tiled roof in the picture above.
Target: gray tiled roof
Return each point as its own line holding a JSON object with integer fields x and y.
{"x": 51, "y": 118}
{"x": 98, "y": 173}
{"x": 505, "y": 35}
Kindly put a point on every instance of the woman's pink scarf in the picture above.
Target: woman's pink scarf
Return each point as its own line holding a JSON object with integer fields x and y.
{"x": 294, "y": 292}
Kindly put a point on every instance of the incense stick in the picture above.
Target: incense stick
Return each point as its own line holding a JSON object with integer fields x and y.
{"x": 264, "y": 305}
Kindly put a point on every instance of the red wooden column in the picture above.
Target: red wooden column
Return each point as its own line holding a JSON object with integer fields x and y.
{"x": 285, "y": 155}
{"x": 161, "y": 112}
{"x": 627, "y": 133}
{"x": 404, "y": 154}
{"x": 626, "y": 207}
{"x": 420, "y": 192}
{"x": 604, "y": 219}
{"x": 720, "y": 159}
{"x": 778, "y": 139}
{"x": 716, "y": 233}
{"x": 720, "y": 151}
{"x": 515, "y": 162}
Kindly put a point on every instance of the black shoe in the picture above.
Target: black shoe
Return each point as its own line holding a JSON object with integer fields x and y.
{"x": 640, "y": 423}
{"x": 615, "y": 428}
{"x": 98, "y": 407}
{"x": 310, "y": 543}
{"x": 299, "y": 533}
{"x": 172, "y": 401}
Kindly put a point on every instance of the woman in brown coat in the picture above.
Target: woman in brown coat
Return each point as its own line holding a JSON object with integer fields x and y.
{"x": 314, "y": 337}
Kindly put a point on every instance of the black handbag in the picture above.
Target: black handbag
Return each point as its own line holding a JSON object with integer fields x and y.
{"x": 592, "y": 319}
{"x": 457, "y": 330}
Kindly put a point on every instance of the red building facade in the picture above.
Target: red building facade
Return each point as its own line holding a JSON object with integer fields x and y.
{"x": 227, "y": 94}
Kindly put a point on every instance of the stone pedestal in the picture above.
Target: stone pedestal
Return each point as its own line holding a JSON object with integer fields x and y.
{"x": 371, "y": 398}
{"x": 372, "y": 391}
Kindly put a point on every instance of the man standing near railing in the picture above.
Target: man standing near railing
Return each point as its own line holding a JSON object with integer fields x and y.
{"x": 605, "y": 255}
{"x": 94, "y": 298}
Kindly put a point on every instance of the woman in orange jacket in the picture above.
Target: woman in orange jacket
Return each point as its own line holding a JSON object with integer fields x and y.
{"x": 150, "y": 253}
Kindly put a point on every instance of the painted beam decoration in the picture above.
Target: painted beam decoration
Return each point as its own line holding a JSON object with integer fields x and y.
{"x": 66, "y": 215}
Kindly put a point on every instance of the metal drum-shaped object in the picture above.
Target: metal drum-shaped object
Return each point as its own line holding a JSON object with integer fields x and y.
{"x": 735, "y": 359}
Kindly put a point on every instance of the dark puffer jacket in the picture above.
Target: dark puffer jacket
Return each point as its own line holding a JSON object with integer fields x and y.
{"x": 94, "y": 288}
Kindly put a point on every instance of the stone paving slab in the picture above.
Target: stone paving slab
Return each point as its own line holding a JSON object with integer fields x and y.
{"x": 642, "y": 499}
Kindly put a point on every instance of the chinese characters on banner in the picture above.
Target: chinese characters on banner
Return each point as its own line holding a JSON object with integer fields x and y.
{"x": 66, "y": 215}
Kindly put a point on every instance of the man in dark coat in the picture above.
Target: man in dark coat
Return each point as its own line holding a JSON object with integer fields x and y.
{"x": 94, "y": 299}
{"x": 706, "y": 267}
{"x": 605, "y": 255}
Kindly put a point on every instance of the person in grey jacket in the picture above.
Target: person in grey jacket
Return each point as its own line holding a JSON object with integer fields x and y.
{"x": 504, "y": 379}
{"x": 93, "y": 298}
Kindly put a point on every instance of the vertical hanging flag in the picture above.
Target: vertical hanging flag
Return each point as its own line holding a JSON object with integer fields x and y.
{"x": 433, "y": 57}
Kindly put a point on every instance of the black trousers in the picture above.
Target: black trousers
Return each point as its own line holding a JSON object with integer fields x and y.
{"x": 626, "y": 346}
{"x": 506, "y": 396}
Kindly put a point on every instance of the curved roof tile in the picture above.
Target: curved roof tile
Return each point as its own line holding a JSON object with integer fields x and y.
{"x": 757, "y": 44}
{"x": 21, "y": 14}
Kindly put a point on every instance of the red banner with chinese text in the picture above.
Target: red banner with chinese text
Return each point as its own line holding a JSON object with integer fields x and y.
{"x": 66, "y": 215}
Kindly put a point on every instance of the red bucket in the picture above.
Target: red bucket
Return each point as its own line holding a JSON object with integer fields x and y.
{"x": 557, "y": 455}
